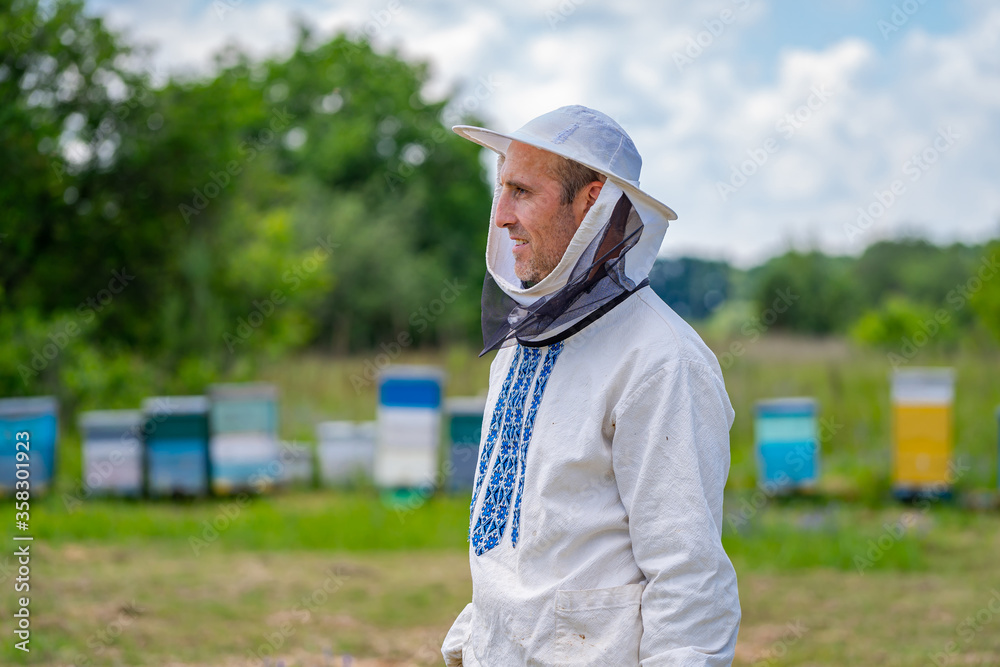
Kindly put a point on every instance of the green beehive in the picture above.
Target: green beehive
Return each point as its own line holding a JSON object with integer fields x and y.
{"x": 465, "y": 425}
{"x": 175, "y": 430}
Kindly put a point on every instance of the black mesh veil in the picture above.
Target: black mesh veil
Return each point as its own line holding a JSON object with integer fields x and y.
{"x": 596, "y": 285}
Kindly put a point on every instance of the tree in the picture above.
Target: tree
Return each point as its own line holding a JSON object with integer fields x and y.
{"x": 982, "y": 289}
{"x": 312, "y": 199}
{"x": 823, "y": 297}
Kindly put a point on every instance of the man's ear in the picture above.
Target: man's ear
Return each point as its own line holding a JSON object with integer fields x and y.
{"x": 588, "y": 195}
{"x": 593, "y": 191}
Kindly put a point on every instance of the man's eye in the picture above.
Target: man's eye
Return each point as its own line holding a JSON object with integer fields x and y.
{"x": 520, "y": 191}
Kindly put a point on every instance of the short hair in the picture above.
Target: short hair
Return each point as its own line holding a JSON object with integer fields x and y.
{"x": 574, "y": 177}
{"x": 571, "y": 174}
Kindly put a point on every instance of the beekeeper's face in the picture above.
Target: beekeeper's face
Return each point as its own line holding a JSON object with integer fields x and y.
{"x": 531, "y": 209}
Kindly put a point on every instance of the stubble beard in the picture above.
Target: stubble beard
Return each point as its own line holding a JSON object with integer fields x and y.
{"x": 545, "y": 259}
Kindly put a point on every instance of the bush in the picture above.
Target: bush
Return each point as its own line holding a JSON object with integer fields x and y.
{"x": 904, "y": 325}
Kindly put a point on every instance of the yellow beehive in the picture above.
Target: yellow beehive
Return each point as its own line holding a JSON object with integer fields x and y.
{"x": 922, "y": 430}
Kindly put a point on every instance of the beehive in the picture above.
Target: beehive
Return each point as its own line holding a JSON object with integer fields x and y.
{"x": 243, "y": 447}
{"x": 408, "y": 427}
{"x": 465, "y": 424}
{"x": 38, "y": 417}
{"x": 112, "y": 451}
{"x": 787, "y": 443}
{"x": 175, "y": 443}
{"x": 296, "y": 463}
{"x": 346, "y": 451}
{"x": 922, "y": 434}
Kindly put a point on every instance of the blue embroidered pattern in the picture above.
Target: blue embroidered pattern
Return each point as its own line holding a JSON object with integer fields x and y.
{"x": 515, "y": 434}
{"x": 493, "y": 514}
{"x": 491, "y": 438}
{"x": 543, "y": 378}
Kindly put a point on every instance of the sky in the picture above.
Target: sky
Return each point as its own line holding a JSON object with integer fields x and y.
{"x": 765, "y": 124}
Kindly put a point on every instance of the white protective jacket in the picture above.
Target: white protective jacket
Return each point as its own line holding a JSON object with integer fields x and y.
{"x": 596, "y": 519}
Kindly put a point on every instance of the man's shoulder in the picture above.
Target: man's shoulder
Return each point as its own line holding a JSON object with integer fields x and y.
{"x": 652, "y": 327}
{"x": 640, "y": 335}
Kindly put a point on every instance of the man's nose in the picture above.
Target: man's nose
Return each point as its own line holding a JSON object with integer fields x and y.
{"x": 505, "y": 212}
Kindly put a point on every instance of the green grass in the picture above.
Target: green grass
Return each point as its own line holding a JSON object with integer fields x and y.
{"x": 852, "y": 388}
{"x": 783, "y": 535}
{"x": 851, "y": 385}
{"x": 320, "y": 520}
{"x": 209, "y": 582}
{"x": 396, "y": 581}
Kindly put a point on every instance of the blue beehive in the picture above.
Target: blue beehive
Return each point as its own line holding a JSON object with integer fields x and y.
{"x": 408, "y": 430}
{"x": 175, "y": 430}
{"x": 38, "y": 416}
{"x": 112, "y": 451}
{"x": 787, "y": 443}
{"x": 465, "y": 427}
{"x": 243, "y": 447}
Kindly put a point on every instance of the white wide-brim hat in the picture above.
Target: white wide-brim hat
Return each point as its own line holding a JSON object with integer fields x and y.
{"x": 583, "y": 135}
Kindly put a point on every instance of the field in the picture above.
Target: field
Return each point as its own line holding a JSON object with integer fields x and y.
{"x": 843, "y": 576}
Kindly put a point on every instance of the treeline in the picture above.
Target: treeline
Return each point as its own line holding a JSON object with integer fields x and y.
{"x": 160, "y": 234}
{"x": 164, "y": 234}
{"x": 894, "y": 292}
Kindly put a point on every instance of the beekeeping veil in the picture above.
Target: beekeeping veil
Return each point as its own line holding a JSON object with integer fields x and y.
{"x": 608, "y": 258}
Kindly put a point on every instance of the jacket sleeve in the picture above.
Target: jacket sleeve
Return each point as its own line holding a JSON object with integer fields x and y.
{"x": 670, "y": 453}
{"x": 455, "y": 640}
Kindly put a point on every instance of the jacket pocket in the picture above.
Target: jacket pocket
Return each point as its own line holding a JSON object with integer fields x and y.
{"x": 599, "y": 626}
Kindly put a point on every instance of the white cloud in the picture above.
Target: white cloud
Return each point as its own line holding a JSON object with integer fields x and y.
{"x": 692, "y": 123}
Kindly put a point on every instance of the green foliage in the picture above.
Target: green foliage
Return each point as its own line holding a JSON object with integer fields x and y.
{"x": 900, "y": 321}
{"x": 807, "y": 292}
{"x": 184, "y": 229}
{"x": 915, "y": 269}
{"x": 197, "y": 224}
{"x": 985, "y": 300}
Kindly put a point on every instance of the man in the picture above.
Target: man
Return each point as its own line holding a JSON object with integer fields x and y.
{"x": 596, "y": 515}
